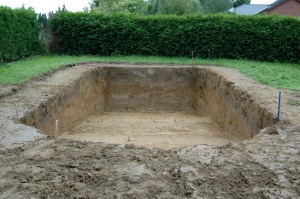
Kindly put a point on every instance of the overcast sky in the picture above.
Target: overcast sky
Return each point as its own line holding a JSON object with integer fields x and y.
{"x": 45, "y": 6}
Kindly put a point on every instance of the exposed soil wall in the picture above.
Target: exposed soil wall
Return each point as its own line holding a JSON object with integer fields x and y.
{"x": 221, "y": 100}
{"x": 192, "y": 90}
{"x": 82, "y": 98}
{"x": 151, "y": 89}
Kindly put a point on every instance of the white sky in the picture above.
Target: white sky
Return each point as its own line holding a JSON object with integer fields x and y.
{"x": 45, "y": 6}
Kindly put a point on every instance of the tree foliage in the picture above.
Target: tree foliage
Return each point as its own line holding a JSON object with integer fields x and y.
{"x": 176, "y": 7}
{"x": 241, "y": 2}
{"x": 150, "y": 7}
{"x": 118, "y": 6}
{"x": 164, "y": 7}
{"x": 216, "y": 6}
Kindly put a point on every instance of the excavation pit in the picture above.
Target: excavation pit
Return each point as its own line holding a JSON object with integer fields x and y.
{"x": 165, "y": 107}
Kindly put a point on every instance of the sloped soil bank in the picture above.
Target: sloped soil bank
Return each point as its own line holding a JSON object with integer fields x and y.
{"x": 37, "y": 166}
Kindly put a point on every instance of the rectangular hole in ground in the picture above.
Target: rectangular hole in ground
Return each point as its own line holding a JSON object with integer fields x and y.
{"x": 150, "y": 106}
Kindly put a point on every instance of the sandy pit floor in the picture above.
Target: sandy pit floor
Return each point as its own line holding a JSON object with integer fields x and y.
{"x": 162, "y": 130}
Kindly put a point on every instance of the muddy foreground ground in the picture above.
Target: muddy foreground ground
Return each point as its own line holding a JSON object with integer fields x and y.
{"x": 37, "y": 166}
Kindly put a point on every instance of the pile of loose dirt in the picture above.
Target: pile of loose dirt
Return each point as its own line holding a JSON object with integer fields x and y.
{"x": 72, "y": 169}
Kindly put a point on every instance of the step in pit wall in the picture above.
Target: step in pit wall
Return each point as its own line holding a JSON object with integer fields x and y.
{"x": 192, "y": 90}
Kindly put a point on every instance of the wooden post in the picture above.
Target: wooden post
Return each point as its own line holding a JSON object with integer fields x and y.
{"x": 229, "y": 134}
{"x": 193, "y": 58}
{"x": 56, "y": 129}
{"x": 17, "y": 113}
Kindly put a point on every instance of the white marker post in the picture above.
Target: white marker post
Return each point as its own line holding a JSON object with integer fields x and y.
{"x": 56, "y": 129}
{"x": 193, "y": 58}
{"x": 17, "y": 113}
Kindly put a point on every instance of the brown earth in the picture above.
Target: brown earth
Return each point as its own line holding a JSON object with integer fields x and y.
{"x": 37, "y": 166}
{"x": 162, "y": 130}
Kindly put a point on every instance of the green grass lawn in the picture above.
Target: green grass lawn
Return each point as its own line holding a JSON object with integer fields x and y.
{"x": 280, "y": 75}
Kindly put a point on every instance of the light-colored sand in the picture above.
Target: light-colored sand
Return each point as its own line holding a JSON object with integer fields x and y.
{"x": 163, "y": 130}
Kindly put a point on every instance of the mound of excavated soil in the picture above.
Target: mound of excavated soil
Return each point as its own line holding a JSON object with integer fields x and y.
{"x": 37, "y": 166}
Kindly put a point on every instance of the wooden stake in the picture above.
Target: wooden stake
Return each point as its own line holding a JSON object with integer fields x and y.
{"x": 193, "y": 58}
{"x": 17, "y": 113}
{"x": 56, "y": 129}
{"x": 229, "y": 134}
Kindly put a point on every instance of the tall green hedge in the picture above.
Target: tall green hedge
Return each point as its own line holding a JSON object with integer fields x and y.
{"x": 263, "y": 38}
{"x": 19, "y": 33}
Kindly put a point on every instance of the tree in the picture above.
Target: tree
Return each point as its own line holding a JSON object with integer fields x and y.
{"x": 150, "y": 7}
{"x": 176, "y": 7}
{"x": 241, "y": 2}
{"x": 215, "y": 6}
{"x": 118, "y": 6}
{"x": 63, "y": 9}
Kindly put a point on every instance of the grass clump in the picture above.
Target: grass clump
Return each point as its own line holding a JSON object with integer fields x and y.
{"x": 294, "y": 103}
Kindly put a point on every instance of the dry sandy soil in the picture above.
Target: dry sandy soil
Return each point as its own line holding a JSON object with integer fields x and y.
{"x": 33, "y": 165}
{"x": 162, "y": 130}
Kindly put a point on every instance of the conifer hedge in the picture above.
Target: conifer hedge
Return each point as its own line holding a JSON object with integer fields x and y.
{"x": 263, "y": 38}
{"x": 19, "y": 33}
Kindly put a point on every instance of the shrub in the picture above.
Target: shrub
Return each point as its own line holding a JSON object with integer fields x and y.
{"x": 262, "y": 38}
{"x": 19, "y": 33}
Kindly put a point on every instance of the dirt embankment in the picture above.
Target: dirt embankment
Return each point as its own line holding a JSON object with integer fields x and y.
{"x": 267, "y": 166}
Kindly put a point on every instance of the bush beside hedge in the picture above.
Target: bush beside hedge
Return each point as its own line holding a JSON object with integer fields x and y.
{"x": 19, "y": 33}
{"x": 263, "y": 38}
